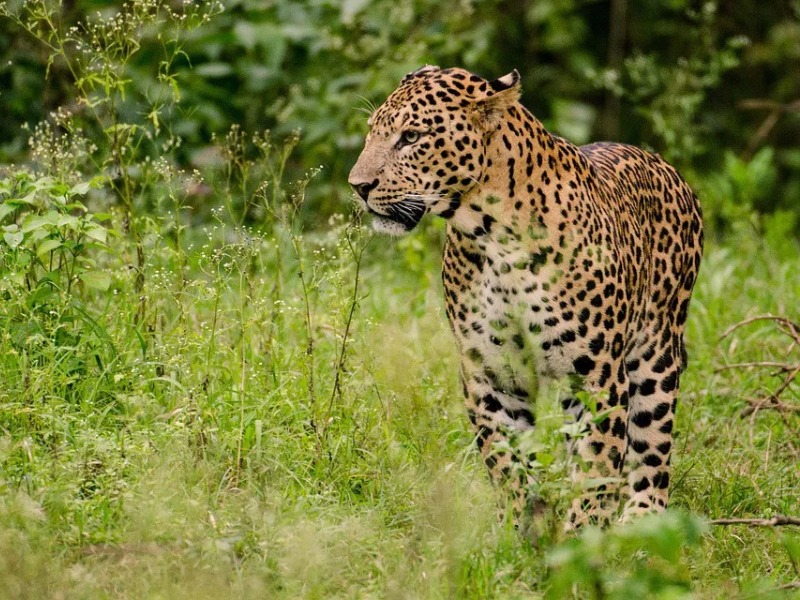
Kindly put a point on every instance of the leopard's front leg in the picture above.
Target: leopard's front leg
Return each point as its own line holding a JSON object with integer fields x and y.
{"x": 496, "y": 368}
{"x": 599, "y": 451}
{"x": 497, "y": 413}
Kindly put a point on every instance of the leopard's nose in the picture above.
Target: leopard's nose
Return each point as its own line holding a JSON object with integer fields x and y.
{"x": 363, "y": 189}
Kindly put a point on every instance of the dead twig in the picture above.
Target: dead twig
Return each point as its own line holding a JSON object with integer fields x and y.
{"x": 789, "y": 371}
{"x": 791, "y": 328}
{"x": 776, "y": 521}
{"x": 773, "y": 401}
{"x": 792, "y": 585}
{"x": 776, "y": 365}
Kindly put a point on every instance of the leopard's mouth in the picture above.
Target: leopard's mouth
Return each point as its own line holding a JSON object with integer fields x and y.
{"x": 383, "y": 224}
{"x": 405, "y": 214}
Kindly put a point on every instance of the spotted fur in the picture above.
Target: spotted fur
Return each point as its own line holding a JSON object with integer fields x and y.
{"x": 560, "y": 262}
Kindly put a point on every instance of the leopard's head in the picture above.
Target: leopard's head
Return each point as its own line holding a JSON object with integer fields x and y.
{"x": 426, "y": 147}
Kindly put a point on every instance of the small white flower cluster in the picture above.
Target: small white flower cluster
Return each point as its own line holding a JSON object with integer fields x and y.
{"x": 57, "y": 145}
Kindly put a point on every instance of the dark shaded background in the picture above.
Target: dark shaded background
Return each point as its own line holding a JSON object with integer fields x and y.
{"x": 708, "y": 85}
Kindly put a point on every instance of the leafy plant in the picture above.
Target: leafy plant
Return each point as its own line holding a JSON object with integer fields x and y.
{"x": 51, "y": 246}
{"x": 98, "y": 54}
{"x": 49, "y": 243}
{"x": 645, "y": 559}
{"x": 731, "y": 196}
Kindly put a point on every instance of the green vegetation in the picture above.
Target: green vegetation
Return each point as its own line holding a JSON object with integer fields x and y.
{"x": 215, "y": 381}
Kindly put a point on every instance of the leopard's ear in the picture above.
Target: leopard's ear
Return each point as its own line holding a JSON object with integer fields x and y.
{"x": 506, "y": 82}
{"x": 502, "y": 94}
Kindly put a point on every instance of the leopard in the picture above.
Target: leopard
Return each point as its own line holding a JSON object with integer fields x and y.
{"x": 561, "y": 263}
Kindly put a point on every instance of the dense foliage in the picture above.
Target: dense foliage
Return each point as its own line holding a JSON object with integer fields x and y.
{"x": 699, "y": 82}
{"x": 215, "y": 381}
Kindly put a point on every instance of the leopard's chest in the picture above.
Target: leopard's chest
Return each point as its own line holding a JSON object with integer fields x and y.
{"x": 512, "y": 315}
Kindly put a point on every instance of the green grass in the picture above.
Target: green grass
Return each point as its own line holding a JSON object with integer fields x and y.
{"x": 203, "y": 450}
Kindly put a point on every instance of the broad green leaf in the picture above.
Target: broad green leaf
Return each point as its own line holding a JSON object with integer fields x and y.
{"x": 43, "y": 183}
{"x": 13, "y": 238}
{"x": 67, "y": 221}
{"x": 80, "y": 189}
{"x": 39, "y": 234}
{"x": 96, "y": 280}
{"x": 48, "y": 246}
{"x": 32, "y": 222}
{"x": 39, "y": 295}
{"x": 96, "y": 232}
{"x": 15, "y": 278}
{"x": 5, "y": 210}
{"x": 58, "y": 190}
{"x": 27, "y": 200}
{"x": 75, "y": 205}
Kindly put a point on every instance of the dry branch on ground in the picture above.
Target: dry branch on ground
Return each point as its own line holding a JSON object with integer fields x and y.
{"x": 788, "y": 370}
{"x": 776, "y": 521}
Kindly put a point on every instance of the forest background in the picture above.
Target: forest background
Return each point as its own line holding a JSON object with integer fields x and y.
{"x": 214, "y": 379}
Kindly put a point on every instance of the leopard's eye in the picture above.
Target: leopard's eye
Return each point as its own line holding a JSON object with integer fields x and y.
{"x": 409, "y": 137}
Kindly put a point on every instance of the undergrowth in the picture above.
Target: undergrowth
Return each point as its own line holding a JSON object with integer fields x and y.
{"x": 284, "y": 419}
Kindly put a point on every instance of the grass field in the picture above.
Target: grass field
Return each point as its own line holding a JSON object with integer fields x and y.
{"x": 242, "y": 426}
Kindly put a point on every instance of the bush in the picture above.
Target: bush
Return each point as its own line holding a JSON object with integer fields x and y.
{"x": 50, "y": 248}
